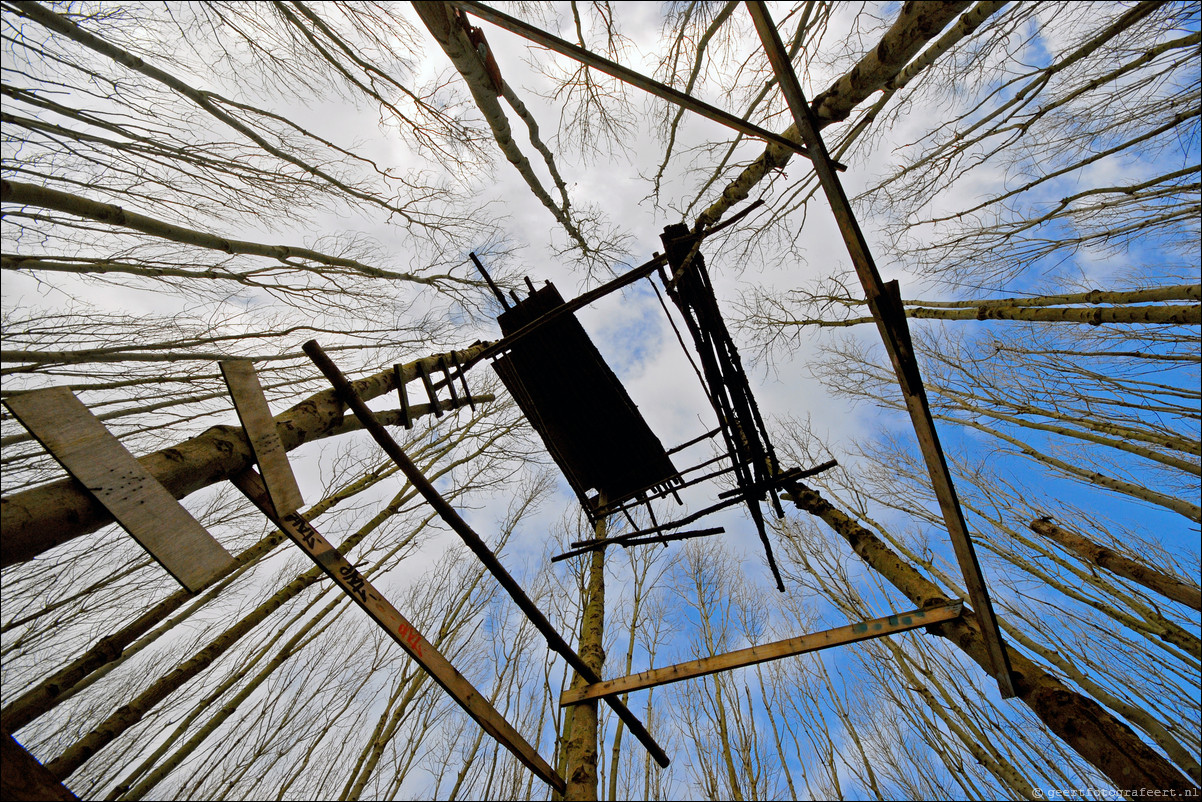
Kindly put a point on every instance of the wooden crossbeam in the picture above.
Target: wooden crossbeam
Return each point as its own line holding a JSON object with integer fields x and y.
{"x": 363, "y": 593}
{"x": 852, "y": 633}
{"x": 97, "y": 460}
{"x": 779, "y": 480}
{"x": 625, "y": 74}
{"x": 627, "y": 542}
{"x": 255, "y": 415}
{"x": 884, "y": 300}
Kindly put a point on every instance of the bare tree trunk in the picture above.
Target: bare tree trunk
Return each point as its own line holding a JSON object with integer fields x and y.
{"x": 112, "y": 649}
{"x": 130, "y": 714}
{"x": 1181, "y": 506}
{"x": 41, "y": 518}
{"x": 454, "y": 42}
{"x": 916, "y": 24}
{"x": 1105, "y": 742}
{"x": 1155, "y": 580}
{"x": 580, "y": 745}
{"x": 1161, "y": 315}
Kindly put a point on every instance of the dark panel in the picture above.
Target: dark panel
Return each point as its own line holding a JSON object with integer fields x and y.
{"x": 592, "y": 429}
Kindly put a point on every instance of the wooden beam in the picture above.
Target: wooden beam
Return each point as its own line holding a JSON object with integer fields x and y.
{"x": 352, "y": 583}
{"x": 884, "y": 300}
{"x": 255, "y": 415}
{"x": 625, "y": 74}
{"x": 634, "y": 274}
{"x": 402, "y": 395}
{"x": 626, "y": 543}
{"x": 474, "y": 542}
{"x": 629, "y": 277}
{"x": 851, "y": 633}
{"x": 98, "y": 461}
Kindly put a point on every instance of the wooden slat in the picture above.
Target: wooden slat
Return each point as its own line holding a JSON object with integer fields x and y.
{"x": 884, "y": 301}
{"x": 91, "y": 454}
{"x": 348, "y": 578}
{"x": 255, "y": 415}
{"x": 865, "y": 630}
{"x": 402, "y": 395}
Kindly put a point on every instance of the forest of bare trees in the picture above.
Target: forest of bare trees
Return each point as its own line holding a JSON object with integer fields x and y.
{"x": 185, "y": 183}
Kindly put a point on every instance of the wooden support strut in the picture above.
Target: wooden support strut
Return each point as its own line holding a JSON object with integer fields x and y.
{"x": 431, "y": 393}
{"x": 884, "y": 302}
{"x": 626, "y": 541}
{"x": 780, "y": 480}
{"x": 361, "y": 591}
{"x": 504, "y": 344}
{"x": 467, "y": 392}
{"x": 625, "y": 74}
{"x": 852, "y": 633}
{"x": 474, "y": 542}
{"x": 488, "y": 280}
{"x": 644, "y": 270}
{"x": 402, "y": 395}
{"x": 448, "y": 380}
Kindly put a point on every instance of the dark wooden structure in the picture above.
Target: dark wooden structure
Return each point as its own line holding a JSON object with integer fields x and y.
{"x": 591, "y": 427}
{"x": 23, "y": 778}
{"x": 752, "y": 463}
{"x": 594, "y": 431}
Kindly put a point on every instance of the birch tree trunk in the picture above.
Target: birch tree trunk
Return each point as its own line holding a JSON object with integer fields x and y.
{"x": 916, "y": 24}
{"x": 1105, "y": 742}
{"x": 581, "y": 734}
{"x": 41, "y": 518}
{"x": 1151, "y": 578}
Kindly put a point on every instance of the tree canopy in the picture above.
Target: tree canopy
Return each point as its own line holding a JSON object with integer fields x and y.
{"x": 185, "y": 183}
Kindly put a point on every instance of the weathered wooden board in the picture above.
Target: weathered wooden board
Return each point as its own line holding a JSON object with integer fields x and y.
{"x": 91, "y": 454}
{"x": 255, "y": 415}
{"x": 330, "y": 560}
{"x": 852, "y": 633}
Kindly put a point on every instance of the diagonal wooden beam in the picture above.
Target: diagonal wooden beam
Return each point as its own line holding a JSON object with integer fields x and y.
{"x": 24, "y": 778}
{"x": 255, "y": 416}
{"x": 885, "y": 302}
{"x": 352, "y": 583}
{"x": 474, "y": 542}
{"x": 612, "y": 68}
{"x": 852, "y": 633}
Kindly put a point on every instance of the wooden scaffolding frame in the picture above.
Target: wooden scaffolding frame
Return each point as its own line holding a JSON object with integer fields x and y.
{"x": 90, "y": 454}
{"x": 884, "y": 298}
{"x": 94, "y": 457}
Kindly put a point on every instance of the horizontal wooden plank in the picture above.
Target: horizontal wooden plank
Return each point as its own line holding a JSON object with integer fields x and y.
{"x": 816, "y": 641}
{"x": 91, "y": 454}
{"x": 330, "y": 560}
{"x": 255, "y": 415}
